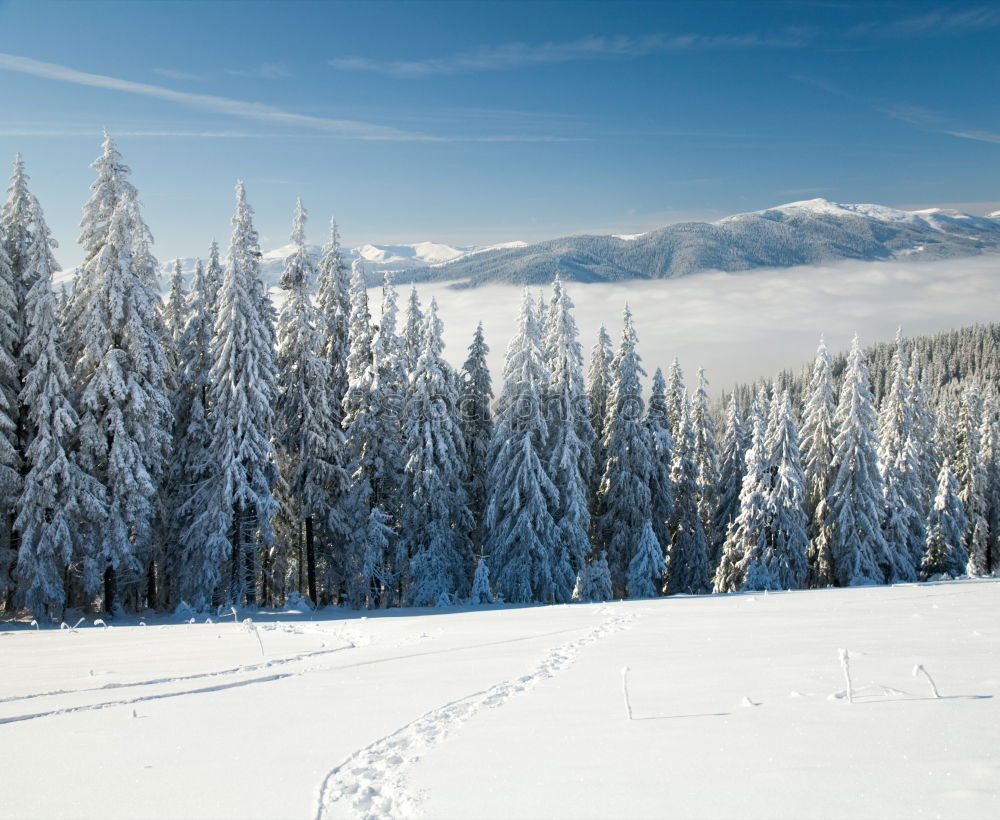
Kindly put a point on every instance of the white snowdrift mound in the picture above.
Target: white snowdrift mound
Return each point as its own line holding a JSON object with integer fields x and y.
{"x": 518, "y": 712}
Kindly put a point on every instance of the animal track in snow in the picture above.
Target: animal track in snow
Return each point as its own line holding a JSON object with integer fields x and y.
{"x": 371, "y": 783}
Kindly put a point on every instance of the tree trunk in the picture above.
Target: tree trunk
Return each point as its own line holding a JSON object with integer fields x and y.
{"x": 110, "y": 590}
{"x": 311, "y": 560}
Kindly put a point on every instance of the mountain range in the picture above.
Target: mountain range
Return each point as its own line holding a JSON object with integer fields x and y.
{"x": 799, "y": 233}
{"x": 810, "y": 232}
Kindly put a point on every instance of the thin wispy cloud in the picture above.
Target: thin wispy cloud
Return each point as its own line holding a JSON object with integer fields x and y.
{"x": 264, "y": 71}
{"x": 91, "y": 132}
{"x": 929, "y": 120}
{"x": 509, "y": 56}
{"x": 945, "y": 20}
{"x": 259, "y": 112}
{"x": 173, "y": 74}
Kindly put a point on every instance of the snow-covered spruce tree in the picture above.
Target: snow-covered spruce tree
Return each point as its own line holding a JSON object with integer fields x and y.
{"x": 481, "y": 593}
{"x": 366, "y": 588}
{"x": 436, "y": 521}
{"x": 817, "y": 436}
{"x": 599, "y": 380}
{"x": 903, "y": 522}
{"x": 308, "y": 440}
{"x": 661, "y": 486}
{"x": 569, "y": 455}
{"x": 594, "y": 584}
{"x": 175, "y": 309}
{"x": 202, "y": 545}
{"x": 57, "y": 498}
{"x": 333, "y": 302}
{"x": 858, "y": 552}
{"x": 946, "y": 524}
{"x": 677, "y": 398}
{"x": 971, "y": 475}
{"x": 647, "y": 568}
{"x": 746, "y": 538}
{"x": 413, "y": 330}
{"x": 241, "y": 396}
{"x": 519, "y": 527}
{"x": 120, "y": 371}
{"x": 706, "y": 455}
{"x": 787, "y": 523}
{"x": 989, "y": 440}
{"x": 623, "y": 498}
{"x": 687, "y": 556}
{"x": 477, "y": 426}
{"x": 598, "y": 389}
{"x": 359, "y": 356}
{"x": 389, "y": 404}
{"x": 923, "y": 426}
{"x": 731, "y": 467}
{"x": 10, "y": 461}
{"x": 214, "y": 274}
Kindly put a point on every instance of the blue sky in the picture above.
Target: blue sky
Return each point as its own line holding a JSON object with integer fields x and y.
{"x": 472, "y": 123}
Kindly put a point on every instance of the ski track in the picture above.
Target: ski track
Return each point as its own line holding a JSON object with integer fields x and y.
{"x": 371, "y": 783}
{"x": 235, "y": 670}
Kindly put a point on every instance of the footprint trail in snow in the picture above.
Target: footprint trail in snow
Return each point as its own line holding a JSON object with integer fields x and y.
{"x": 371, "y": 783}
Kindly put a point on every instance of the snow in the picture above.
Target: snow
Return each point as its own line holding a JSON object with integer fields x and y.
{"x": 628, "y": 237}
{"x": 517, "y": 712}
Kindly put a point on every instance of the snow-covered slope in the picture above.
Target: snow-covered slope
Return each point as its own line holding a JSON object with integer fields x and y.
{"x": 739, "y": 710}
{"x": 800, "y": 233}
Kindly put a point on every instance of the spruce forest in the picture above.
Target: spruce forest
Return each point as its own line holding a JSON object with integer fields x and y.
{"x": 208, "y": 450}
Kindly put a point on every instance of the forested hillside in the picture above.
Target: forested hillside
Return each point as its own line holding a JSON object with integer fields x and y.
{"x": 209, "y": 450}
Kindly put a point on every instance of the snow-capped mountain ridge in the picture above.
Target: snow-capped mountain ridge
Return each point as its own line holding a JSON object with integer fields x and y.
{"x": 807, "y": 232}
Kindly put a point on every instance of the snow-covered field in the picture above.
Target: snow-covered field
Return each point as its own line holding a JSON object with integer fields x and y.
{"x": 738, "y": 702}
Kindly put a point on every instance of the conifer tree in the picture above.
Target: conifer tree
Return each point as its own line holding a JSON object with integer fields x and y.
{"x": 705, "y": 455}
{"x": 623, "y": 496}
{"x": 413, "y": 330}
{"x": 661, "y": 486}
{"x": 436, "y": 521}
{"x": 989, "y": 438}
{"x": 903, "y": 522}
{"x": 787, "y": 535}
{"x": 971, "y": 476}
{"x": 481, "y": 584}
{"x": 817, "y": 436}
{"x": 202, "y": 545}
{"x": 687, "y": 557}
{"x": 858, "y": 551}
{"x": 214, "y": 274}
{"x": 594, "y": 583}
{"x": 647, "y": 568}
{"x": 175, "y": 309}
{"x": 923, "y": 430}
{"x": 746, "y": 539}
{"x": 520, "y": 494}
{"x": 120, "y": 370}
{"x": 242, "y": 400}
{"x": 599, "y": 380}
{"x": 731, "y": 468}
{"x": 946, "y": 524}
{"x": 571, "y": 438}
{"x": 57, "y": 496}
{"x": 308, "y": 441}
{"x": 676, "y": 397}
{"x": 598, "y": 389}
{"x": 477, "y": 426}
{"x": 333, "y": 302}
{"x": 388, "y": 405}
